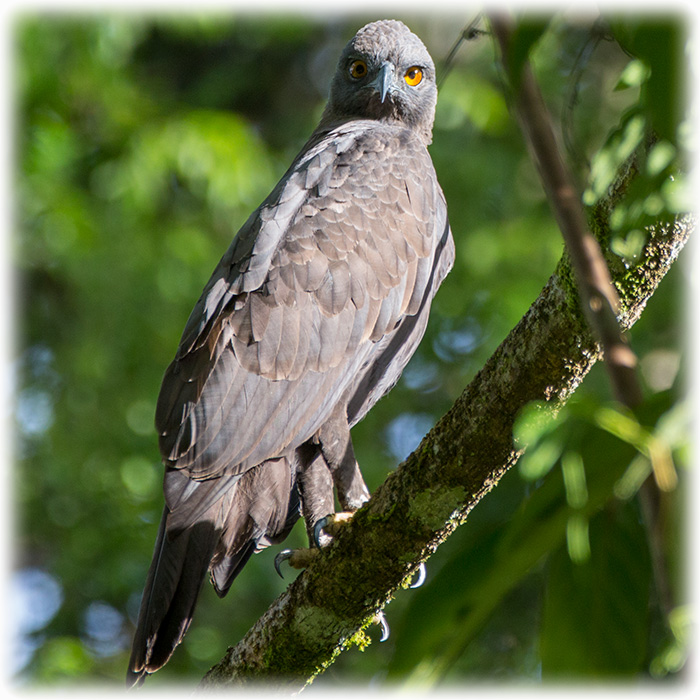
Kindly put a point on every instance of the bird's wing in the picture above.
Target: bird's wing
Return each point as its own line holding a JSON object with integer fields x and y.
{"x": 326, "y": 268}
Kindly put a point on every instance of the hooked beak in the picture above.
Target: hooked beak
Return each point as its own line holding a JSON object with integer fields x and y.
{"x": 382, "y": 83}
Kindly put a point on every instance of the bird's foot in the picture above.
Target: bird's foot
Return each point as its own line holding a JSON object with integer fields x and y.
{"x": 297, "y": 558}
{"x": 328, "y": 527}
{"x": 324, "y": 531}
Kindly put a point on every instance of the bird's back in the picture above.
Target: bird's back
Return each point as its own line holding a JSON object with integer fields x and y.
{"x": 352, "y": 241}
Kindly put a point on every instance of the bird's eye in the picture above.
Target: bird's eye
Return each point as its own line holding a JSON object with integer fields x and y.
{"x": 413, "y": 76}
{"x": 358, "y": 69}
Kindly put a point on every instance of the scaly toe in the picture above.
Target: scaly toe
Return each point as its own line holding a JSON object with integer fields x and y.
{"x": 297, "y": 558}
{"x": 330, "y": 525}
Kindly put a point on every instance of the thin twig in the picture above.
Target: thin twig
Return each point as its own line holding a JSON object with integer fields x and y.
{"x": 651, "y": 499}
{"x": 470, "y": 32}
{"x": 595, "y": 35}
{"x": 598, "y": 295}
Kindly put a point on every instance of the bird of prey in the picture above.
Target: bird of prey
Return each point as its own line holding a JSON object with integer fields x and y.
{"x": 308, "y": 319}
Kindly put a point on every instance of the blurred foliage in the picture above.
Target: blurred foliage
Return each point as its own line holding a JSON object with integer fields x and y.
{"x": 142, "y": 144}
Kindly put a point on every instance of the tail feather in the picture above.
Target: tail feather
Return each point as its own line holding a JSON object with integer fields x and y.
{"x": 224, "y": 571}
{"x": 200, "y": 544}
{"x": 215, "y": 525}
{"x": 177, "y": 572}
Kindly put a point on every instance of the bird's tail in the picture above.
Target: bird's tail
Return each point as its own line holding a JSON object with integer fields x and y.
{"x": 213, "y": 525}
{"x": 179, "y": 566}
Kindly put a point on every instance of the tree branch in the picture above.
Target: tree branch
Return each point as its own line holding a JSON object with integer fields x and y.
{"x": 544, "y": 358}
{"x": 599, "y": 298}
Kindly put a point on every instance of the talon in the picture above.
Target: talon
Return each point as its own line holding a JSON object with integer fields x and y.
{"x": 284, "y": 555}
{"x": 328, "y": 527}
{"x": 297, "y": 558}
{"x": 380, "y": 619}
{"x": 318, "y": 529}
{"x": 420, "y": 578}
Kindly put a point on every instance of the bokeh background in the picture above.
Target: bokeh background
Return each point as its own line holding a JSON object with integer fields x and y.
{"x": 142, "y": 143}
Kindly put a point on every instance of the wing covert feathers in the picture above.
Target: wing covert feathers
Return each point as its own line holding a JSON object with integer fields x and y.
{"x": 330, "y": 264}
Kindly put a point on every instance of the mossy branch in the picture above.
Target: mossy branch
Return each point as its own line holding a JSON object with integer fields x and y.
{"x": 544, "y": 358}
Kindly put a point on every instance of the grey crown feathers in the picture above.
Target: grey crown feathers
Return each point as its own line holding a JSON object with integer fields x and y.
{"x": 389, "y": 49}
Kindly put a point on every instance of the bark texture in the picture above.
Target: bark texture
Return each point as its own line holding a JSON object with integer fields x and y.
{"x": 544, "y": 358}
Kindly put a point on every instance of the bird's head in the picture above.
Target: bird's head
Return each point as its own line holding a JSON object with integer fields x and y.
{"x": 385, "y": 73}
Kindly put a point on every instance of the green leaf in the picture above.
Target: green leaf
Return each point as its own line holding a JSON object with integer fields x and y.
{"x": 574, "y": 479}
{"x": 445, "y": 618}
{"x": 523, "y": 39}
{"x": 607, "y": 161}
{"x": 635, "y": 73}
{"x": 659, "y": 44}
{"x": 538, "y": 461}
{"x": 578, "y": 543}
{"x": 660, "y": 157}
{"x": 595, "y": 619}
{"x": 534, "y": 422}
{"x": 629, "y": 246}
{"x": 675, "y": 653}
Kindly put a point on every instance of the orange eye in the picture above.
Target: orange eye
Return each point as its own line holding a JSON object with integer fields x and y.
{"x": 358, "y": 69}
{"x": 413, "y": 76}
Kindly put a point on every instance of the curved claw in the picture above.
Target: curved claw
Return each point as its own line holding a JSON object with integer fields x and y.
{"x": 282, "y": 556}
{"x": 380, "y": 619}
{"x": 318, "y": 529}
{"x": 420, "y": 579}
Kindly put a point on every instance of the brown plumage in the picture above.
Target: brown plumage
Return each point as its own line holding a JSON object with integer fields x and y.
{"x": 308, "y": 319}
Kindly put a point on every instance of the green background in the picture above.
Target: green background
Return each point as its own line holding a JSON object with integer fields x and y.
{"x": 142, "y": 143}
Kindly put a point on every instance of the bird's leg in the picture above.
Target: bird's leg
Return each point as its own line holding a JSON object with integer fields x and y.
{"x": 336, "y": 447}
{"x": 327, "y": 461}
{"x": 316, "y": 490}
{"x": 352, "y": 490}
